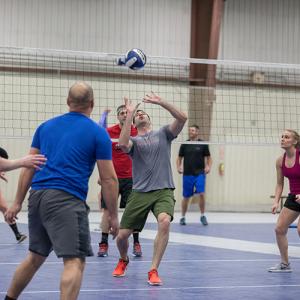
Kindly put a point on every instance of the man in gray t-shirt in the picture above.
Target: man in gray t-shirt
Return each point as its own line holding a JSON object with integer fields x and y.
{"x": 151, "y": 167}
{"x": 152, "y": 180}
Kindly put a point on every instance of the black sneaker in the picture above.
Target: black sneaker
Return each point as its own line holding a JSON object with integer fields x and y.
{"x": 182, "y": 221}
{"x": 203, "y": 220}
{"x": 20, "y": 238}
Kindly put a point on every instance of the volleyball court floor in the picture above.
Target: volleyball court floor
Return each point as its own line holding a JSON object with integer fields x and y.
{"x": 228, "y": 259}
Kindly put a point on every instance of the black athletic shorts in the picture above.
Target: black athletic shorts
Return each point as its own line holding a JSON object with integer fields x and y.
{"x": 125, "y": 188}
{"x": 291, "y": 203}
{"x": 58, "y": 221}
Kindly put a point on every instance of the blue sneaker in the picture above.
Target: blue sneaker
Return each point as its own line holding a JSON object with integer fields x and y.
{"x": 182, "y": 221}
{"x": 203, "y": 220}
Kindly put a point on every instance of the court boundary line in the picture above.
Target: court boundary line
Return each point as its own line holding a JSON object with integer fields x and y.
{"x": 224, "y": 243}
{"x": 168, "y": 288}
{"x": 137, "y": 260}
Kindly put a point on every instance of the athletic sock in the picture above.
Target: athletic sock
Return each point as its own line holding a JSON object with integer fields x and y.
{"x": 104, "y": 238}
{"x": 15, "y": 229}
{"x": 136, "y": 237}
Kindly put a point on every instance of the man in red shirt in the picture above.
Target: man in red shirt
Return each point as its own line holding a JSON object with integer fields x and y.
{"x": 123, "y": 167}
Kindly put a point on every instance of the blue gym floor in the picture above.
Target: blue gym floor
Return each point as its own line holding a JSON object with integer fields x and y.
{"x": 220, "y": 261}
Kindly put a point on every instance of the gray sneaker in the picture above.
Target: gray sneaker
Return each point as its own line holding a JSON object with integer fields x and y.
{"x": 282, "y": 267}
{"x": 182, "y": 221}
{"x": 203, "y": 220}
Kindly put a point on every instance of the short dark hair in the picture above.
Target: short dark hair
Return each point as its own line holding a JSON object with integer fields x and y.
{"x": 143, "y": 112}
{"x": 3, "y": 153}
{"x": 120, "y": 108}
{"x": 195, "y": 126}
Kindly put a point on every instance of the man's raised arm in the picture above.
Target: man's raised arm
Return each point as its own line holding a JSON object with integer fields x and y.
{"x": 180, "y": 117}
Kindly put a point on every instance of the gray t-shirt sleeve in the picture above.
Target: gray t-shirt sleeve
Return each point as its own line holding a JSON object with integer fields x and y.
{"x": 130, "y": 153}
{"x": 168, "y": 133}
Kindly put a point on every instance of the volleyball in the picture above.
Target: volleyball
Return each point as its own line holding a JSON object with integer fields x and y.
{"x": 134, "y": 59}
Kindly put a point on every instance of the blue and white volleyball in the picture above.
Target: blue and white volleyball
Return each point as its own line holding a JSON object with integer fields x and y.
{"x": 134, "y": 59}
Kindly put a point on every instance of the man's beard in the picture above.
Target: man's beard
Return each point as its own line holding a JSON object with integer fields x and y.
{"x": 141, "y": 123}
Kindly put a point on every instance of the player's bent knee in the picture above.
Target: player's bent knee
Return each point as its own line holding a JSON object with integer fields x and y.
{"x": 279, "y": 230}
{"x": 74, "y": 263}
{"x": 124, "y": 234}
{"x": 164, "y": 221}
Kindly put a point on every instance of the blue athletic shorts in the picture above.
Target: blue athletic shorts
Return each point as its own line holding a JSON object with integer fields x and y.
{"x": 193, "y": 185}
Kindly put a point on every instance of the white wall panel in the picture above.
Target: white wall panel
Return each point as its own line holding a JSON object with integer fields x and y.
{"x": 253, "y": 30}
{"x": 249, "y": 178}
{"x": 250, "y": 174}
{"x": 28, "y": 100}
{"x": 261, "y": 30}
{"x": 159, "y": 27}
{"x": 247, "y": 184}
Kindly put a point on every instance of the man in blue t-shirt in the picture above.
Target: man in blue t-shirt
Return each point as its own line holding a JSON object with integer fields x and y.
{"x": 57, "y": 210}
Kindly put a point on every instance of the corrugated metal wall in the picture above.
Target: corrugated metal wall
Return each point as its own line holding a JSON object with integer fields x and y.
{"x": 261, "y": 30}
{"x": 159, "y": 27}
{"x": 253, "y": 30}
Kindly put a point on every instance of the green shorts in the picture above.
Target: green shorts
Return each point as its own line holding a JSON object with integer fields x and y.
{"x": 139, "y": 205}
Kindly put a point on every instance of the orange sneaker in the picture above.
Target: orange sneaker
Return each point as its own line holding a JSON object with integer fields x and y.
{"x": 153, "y": 278}
{"x": 120, "y": 268}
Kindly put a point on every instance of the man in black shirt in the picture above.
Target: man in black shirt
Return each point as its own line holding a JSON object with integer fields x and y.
{"x": 196, "y": 164}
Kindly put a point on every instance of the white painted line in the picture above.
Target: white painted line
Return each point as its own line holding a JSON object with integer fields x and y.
{"x": 223, "y": 243}
{"x": 93, "y": 244}
{"x": 139, "y": 260}
{"x": 192, "y": 217}
{"x": 160, "y": 288}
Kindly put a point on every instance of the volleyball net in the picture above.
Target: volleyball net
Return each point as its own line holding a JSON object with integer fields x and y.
{"x": 231, "y": 101}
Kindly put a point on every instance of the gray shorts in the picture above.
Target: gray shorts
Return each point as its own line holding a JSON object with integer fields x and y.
{"x": 58, "y": 221}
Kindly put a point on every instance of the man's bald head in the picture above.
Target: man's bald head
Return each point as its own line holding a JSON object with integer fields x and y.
{"x": 81, "y": 96}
